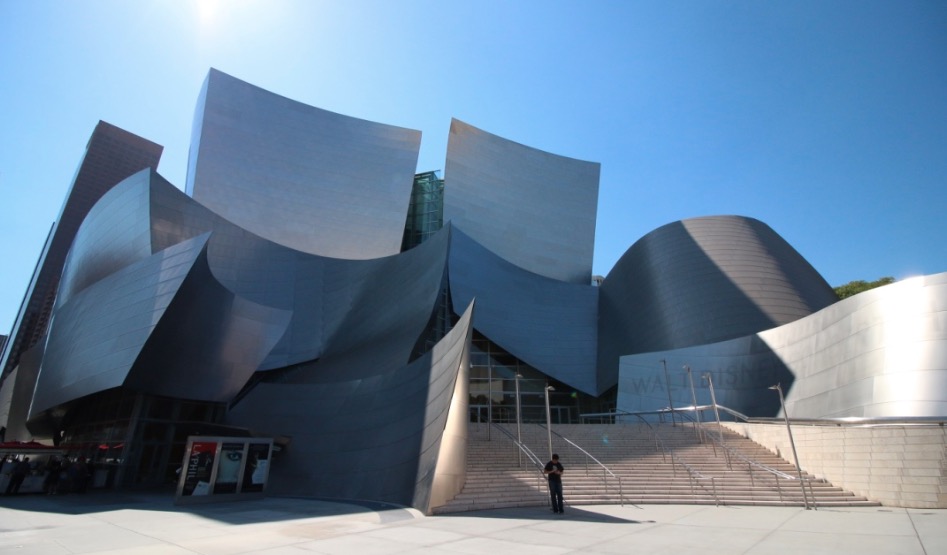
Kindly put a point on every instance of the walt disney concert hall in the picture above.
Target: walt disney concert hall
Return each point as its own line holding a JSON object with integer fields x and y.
{"x": 309, "y": 285}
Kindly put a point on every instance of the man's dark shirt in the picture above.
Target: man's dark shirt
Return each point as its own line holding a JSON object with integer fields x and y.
{"x": 550, "y": 466}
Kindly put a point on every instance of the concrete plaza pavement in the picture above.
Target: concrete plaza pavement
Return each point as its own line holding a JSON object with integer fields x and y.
{"x": 135, "y": 523}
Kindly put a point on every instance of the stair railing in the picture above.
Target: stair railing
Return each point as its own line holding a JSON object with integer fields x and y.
{"x": 775, "y": 473}
{"x": 588, "y": 456}
{"x": 530, "y": 456}
{"x": 693, "y": 474}
{"x": 729, "y": 452}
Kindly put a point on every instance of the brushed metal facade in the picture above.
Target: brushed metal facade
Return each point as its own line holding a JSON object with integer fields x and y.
{"x": 374, "y": 435}
{"x": 96, "y": 337}
{"x": 175, "y": 273}
{"x": 146, "y": 214}
{"x": 162, "y": 325}
{"x": 111, "y": 155}
{"x": 881, "y": 353}
{"x": 532, "y": 208}
{"x": 701, "y": 281}
{"x": 278, "y": 287}
{"x": 549, "y": 324}
{"x": 309, "y": 179}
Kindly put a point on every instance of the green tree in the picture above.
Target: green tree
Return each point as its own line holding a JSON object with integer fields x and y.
{"x": 857, "y": 286}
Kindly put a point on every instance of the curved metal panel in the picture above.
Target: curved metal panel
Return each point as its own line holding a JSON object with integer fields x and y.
{"x": 372, "y": 433}
{"x": 880, "y": 353}
{"x": 385, "y": 303}
{"x": 701, "y": 281}
{"x": 96, "y": 337}
{"x": 549, "y": 324}
{"x": 532, "y": 208}
{"x": 116, "y": 233}
{"x": 323, "y": 293}
{"x": 741, "y": 369}
{"x": 112, "y": 154}
{"x": 302, "y": 177}
{"x": 341, "y": 306}
{"x": 208, "y": 342}
{"x": 318, "y": 292}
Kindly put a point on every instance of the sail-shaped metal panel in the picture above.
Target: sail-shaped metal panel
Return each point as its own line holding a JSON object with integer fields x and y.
{"x": 305, "y": 178}
{"x": 532, "y": 208}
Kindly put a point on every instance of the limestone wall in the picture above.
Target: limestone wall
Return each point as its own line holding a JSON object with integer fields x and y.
{"x": 898, "y": 466}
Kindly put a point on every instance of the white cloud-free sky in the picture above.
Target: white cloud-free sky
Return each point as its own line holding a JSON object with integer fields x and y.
{"x": 826, "y": 120}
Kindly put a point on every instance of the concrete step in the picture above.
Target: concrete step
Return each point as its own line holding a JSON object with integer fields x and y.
{"x": 497, "y": 476}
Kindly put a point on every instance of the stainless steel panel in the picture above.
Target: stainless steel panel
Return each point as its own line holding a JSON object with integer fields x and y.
{"x": 115, "y": 234}
{"x": 532, "y": 208}
{"x": 366, "y": 433}
{"x": 701, "y": 281}
{"x": 111, "y": 155}
{"x": 312, "y": 180}
{"x": 880, "y": 353}
{"x": 81, "y": 355}
{"x": 549, "y": 324}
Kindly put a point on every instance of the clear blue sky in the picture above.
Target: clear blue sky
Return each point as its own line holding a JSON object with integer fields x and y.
{"x": 825, "y": 119}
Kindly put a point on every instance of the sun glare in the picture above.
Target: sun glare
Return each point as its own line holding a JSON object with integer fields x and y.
{"x": 207, "y": 11}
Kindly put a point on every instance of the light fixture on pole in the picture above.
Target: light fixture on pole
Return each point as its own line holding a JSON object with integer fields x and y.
{"x": 549, "y": 419}
{"x": 713, "y": 400}
{"x": 694, "y": 398}
{"x": 519, "y": 438}
{"x": 489, "y": 401}
{"x": 667, "y": 382}
{"x": 782, "y": 403}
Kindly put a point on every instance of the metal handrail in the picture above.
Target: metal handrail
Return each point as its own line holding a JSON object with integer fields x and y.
{"x": 854, "y": 421}
{"x": 777, "y": 474}
{"x": 730, "y": 452}
{"x": 693, "y": 473}
{"x": 526, "y": 451}
{"x": 621, "y": 496}
{"x": 859, "y": 422}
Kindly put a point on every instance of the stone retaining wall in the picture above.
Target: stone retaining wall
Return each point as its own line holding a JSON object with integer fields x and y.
{"x": 898, "y": 466}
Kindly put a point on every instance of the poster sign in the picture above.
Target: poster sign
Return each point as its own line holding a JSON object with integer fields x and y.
{"x": 257, "y": 467}
{"x": 229, "y": 467}
{"x": 200, "y": 466}
{"x": 221, "y": 468}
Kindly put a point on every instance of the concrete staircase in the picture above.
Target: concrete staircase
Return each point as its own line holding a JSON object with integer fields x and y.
{"x": 697, "y": 473}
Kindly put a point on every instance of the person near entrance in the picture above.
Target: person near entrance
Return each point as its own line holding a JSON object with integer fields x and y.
{"x": 553, "y": 472}
{"x": 20, "y": 471}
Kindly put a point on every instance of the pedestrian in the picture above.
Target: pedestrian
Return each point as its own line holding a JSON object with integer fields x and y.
{"x": 20, "y": 471}
{"x": 65, "y": 473}
{"x": 553, "y": 472}
{"x": 79, "y": 475}
{"x": 53, "y": 469}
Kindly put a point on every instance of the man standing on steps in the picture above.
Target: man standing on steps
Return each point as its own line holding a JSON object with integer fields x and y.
{"x": 553, "y": 472}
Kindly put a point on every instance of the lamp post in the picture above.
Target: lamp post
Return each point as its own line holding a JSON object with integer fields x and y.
{"x": 667, "y": 381}
{"x": 713, "y": 399}
{"x": 782, "y": 403}
{"x": 549, "y": 418}
{"x": 518, "y": 418}
{"x": 489, "y": 401}
{"x": 690, "y": 377}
